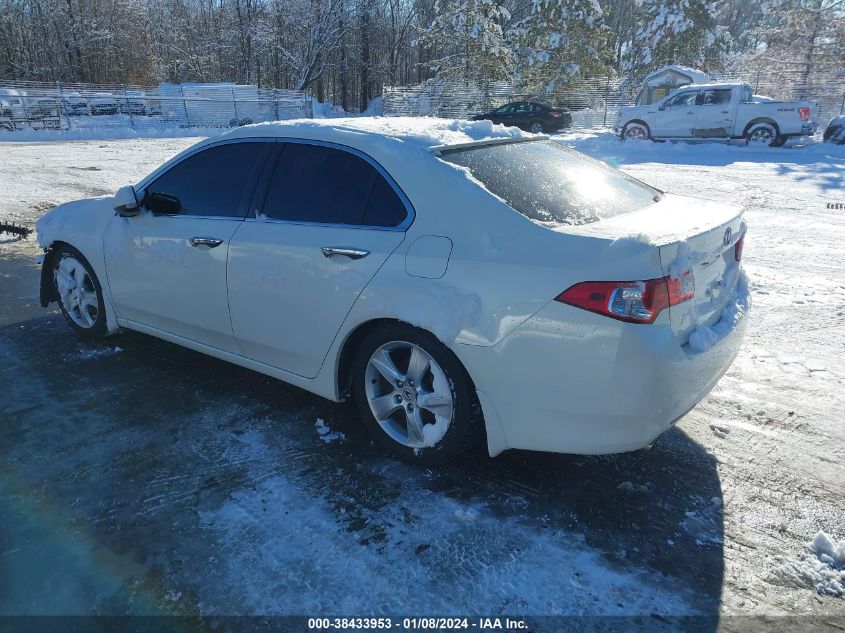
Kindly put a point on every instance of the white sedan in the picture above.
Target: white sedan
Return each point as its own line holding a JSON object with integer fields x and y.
{"x": 458, "y": 280}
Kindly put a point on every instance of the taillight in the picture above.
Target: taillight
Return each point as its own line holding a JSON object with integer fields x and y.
{"x": 804, "y": 113}
{"x": 630, "y": 301}
{"x": 555, "y": 114}
{"x": 740, "y": 243}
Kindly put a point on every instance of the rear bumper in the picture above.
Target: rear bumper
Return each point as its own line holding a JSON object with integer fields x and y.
{"x": 570, "y": 381}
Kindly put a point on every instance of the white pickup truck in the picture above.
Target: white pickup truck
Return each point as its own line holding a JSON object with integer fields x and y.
{"x": 718, "y": 111}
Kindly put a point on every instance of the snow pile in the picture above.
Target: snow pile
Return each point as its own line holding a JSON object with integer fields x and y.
{"x": 824, "y": 571}
{"x": 321, "y": 110}
{"x": 720, "y": 430}
{"x": 425, "y": 132}
{"x": 106, "y": 133}
{"x": 705, "y": 337}
{"x": 50, "y": 226}
{"x": 326, "y": 434}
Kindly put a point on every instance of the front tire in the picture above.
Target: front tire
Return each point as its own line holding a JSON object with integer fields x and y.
{"x": 636, "y": 132}
{"x": 414, "y": 395}
{"x": 79, "y": 293}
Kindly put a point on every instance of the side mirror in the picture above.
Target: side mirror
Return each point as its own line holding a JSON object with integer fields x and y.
{"x": 126, "y": 202}
{"x": 162, "y": 203}
{"x": 663, "y": 107}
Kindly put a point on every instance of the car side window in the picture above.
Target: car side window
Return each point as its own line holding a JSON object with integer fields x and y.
{"x": 682, "y": 100}
{"x": 504, "y": 109}
{"x": 217, "y": 181}
{"x": 326, "y": 185}
{"x": 715, "y": 97}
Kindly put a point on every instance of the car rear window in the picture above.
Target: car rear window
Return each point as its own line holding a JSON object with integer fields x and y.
{"x": 552, "y": 184}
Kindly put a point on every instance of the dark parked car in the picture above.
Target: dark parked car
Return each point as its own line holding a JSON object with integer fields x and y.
{"x": 835, "y": 132}
{"x": 530, "y": 116}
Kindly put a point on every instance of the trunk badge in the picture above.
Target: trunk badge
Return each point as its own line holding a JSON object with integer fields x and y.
{"x": 727, "y": 239}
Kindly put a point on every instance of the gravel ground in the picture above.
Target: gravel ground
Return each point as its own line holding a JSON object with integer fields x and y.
{"x": 140, "y": 477}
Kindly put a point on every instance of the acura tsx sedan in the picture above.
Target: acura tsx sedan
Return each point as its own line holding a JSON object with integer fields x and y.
{"x": 460, "y": 281}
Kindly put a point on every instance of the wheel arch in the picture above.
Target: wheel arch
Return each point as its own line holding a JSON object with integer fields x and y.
{"x": 760, "y": 120}
{"x": 353, "y": 340}
{"x": 638, "y": 122}
{"x": 46, "y": 293}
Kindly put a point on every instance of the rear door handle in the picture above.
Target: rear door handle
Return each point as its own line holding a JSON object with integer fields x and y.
{"x": 351, "y": 253}
{"x": 211, "y": 242}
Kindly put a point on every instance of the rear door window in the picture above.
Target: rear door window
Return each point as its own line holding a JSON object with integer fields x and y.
{"x": 326, "y": 185}
{"x": 551, "y": 184}
{"x": 715, "y": 97}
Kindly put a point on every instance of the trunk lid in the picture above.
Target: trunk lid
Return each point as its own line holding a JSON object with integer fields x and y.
{"x": 696, "y": 240}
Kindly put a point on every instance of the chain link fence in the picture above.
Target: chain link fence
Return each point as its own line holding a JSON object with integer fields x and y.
{"x": 63, "y": 106}
{"x": 596, "y": 102}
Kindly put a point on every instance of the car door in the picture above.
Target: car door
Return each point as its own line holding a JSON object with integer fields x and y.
{"x": 329, "y": 220}
{"x": 676, "y": 116}
{"x": 167, "y": 266}
{"x": 521, "y": 115}
{"x": 713, "y": 113}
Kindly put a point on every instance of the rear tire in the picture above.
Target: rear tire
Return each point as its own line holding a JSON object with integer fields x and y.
{"x": 764, "y": 134}
{"x": 79, "y": 293}
{"x": 536, "y": 127}
{"x": 414, "y": 395}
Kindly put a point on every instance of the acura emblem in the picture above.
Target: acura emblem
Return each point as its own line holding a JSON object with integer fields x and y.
{"x": 727, "y": 239}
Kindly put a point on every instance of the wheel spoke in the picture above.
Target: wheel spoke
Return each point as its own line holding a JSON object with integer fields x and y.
{"x": 86, "y": 316}
{"x": 415, "y": 426}
{"x": 418, "y": 365}
{"x": 384, "y": 406}
{"x": 437, "y": 403}
{"x": 85, "y": 304}
{"x": 386, "y": 367}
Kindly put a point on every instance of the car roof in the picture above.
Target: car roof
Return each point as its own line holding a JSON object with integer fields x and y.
{"x": 709, "y": 86}
{"x": 383, "y": 135}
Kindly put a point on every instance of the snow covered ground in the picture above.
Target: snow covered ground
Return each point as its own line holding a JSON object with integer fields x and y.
{"x": 141, "y": 477}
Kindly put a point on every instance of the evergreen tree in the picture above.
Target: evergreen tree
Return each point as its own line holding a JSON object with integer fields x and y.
{"x": 468, "y": 40}
{"x": 674, "y": 31}
{"x": 560, "y": 40}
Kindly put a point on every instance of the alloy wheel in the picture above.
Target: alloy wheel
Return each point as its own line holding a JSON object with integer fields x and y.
{"x": 77, "y": 292}
{"x": 408, "y": 394}
{"x": 762, "y": 135}
{"x": 636, "y": 132}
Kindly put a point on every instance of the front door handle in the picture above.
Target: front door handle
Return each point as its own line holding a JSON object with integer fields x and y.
{"x": 351, "y": 253}
{"x": 211, "y": 242}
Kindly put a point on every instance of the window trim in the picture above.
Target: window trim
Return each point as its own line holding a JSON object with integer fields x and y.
{"x": 141, "y": 187}
{"x": 261, "y": 195}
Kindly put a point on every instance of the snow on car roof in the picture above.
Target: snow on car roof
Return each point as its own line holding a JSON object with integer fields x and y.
{"x": 421, "y": 132}
{"x": 712, "y": 84}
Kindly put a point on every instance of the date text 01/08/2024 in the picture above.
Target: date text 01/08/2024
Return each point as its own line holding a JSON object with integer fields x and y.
{"x": 422, "y": 623}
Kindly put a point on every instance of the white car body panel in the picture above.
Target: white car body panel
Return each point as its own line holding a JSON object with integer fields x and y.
{"x": 469, "y": 269}
{"x": 287, "y": 299}
{"x": 146, "y": 257}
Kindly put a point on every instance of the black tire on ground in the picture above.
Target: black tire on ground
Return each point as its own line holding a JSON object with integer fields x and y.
{"x": 98, "y": 328}
{"x": 636, "y": 131}
{"x": 764, "y": 133}
{"x": 467, "y": 426}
